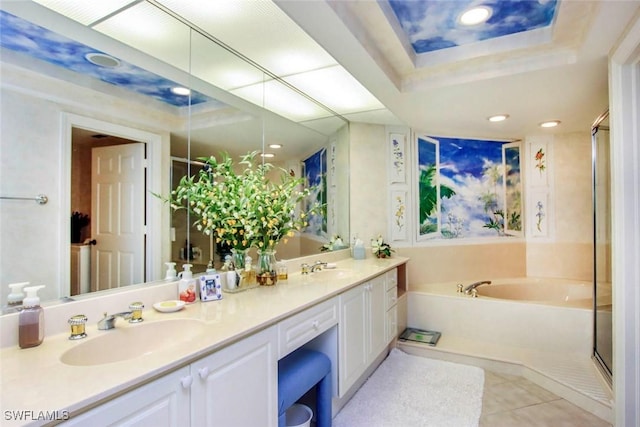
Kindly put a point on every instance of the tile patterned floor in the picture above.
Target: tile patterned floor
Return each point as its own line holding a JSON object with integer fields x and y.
{"x": 513, "y": 401}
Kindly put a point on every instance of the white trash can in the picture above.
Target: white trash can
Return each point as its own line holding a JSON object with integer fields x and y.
{"x": 298, "y": 416}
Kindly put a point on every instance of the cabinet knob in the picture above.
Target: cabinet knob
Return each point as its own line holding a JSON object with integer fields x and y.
{"x": 186, "y": 381}
{"x": 203, "y": 372}
{"x": 315, "y": 324}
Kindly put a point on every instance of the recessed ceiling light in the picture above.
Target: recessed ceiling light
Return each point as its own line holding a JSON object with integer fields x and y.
{"x": 182, "y": 91}
{"x": 275, "y": 146}
{"x": 550, "y": 124}
{"x": 476, "y": 15}
{"x": 102, "y": 60}
{"x": 268, "y": 155}
{"x": 498, "y": 118}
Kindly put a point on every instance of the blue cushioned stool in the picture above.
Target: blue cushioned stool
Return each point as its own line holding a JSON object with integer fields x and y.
{"x": 298, "y": 372}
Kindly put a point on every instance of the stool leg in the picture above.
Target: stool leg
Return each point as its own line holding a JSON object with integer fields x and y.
{"x": 323, "y": 402}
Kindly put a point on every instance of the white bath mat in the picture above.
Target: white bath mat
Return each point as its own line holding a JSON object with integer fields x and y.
{"x": 413, "y": 391}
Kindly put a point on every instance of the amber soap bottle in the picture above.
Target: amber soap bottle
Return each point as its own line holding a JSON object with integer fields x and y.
{"x": 31, "y": 319}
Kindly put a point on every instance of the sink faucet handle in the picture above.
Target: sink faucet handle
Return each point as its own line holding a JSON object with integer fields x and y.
{"x": 136, "y": 312}
{"x": 305, "y": 268}
{"x": 78, "y": 323}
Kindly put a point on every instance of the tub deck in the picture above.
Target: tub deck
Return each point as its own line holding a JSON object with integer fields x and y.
{"x": 550, "y": 345}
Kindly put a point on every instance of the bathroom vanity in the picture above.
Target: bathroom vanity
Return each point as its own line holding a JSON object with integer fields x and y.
{"x": 212, "y": 363}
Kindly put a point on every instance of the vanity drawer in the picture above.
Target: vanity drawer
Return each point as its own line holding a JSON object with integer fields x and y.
{"x": 392, "y": 278}
{"x": 391, "y": 298}
{"x": 301, "y": 328}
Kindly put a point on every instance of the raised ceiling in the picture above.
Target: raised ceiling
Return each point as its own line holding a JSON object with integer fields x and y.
{"x": 534, "y": 60}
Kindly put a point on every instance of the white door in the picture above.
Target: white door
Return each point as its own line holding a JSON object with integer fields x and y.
{"x": 118, "y": 211}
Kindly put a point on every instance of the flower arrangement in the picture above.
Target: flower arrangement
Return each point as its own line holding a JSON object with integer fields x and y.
{"x": 380, "y": 248}
{"x": 244, "y": 209}
{"x": 334, "y": 243}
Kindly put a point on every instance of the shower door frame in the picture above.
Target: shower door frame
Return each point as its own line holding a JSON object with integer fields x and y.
{"x": 605, "y": 368}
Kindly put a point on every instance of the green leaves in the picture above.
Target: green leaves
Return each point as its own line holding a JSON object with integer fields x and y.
{"x": 243, "y": 209}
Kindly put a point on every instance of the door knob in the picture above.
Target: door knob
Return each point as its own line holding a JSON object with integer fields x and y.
{"x": 92, "y": 242}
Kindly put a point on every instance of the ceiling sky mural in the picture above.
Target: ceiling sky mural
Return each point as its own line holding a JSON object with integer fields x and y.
{"x": 432, "y": 25}
{"x": 37, "y": 42}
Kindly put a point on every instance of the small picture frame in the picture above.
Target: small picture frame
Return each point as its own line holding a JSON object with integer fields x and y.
{"x": 210, "y": 287}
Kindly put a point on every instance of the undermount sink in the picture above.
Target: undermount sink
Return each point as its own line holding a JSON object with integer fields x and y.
{"x": 331, "y": 274}
{"x": 129, "y": 341}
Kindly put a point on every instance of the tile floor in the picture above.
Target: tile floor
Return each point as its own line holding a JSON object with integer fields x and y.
{"x": 513, "y": 401}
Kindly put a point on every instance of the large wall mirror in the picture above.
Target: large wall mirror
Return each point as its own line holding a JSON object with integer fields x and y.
{"x": 93, "y": 92}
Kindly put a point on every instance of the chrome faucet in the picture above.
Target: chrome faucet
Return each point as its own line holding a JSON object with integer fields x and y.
{"x": 473, "y": 286}
{"x": 318, "y": 266}
{"x": 133, "y": 316}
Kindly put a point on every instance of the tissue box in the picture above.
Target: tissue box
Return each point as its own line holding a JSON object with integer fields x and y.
{"x": 210, "y": 287}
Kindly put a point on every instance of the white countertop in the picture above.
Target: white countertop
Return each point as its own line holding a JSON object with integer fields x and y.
{"x": 36, "y": 380}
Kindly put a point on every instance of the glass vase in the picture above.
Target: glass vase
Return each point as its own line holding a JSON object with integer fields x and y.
{"x": 237, "y": 257}
{"x": 266, "y": 273}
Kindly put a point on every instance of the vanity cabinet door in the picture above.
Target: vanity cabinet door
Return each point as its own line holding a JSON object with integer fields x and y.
{"x": 362, "y": 330}
{"x": 163, "y": 402}
{"x": 377, "y": 317}
{"x": 353, "y": 336}
{"x": 238, "y": 385}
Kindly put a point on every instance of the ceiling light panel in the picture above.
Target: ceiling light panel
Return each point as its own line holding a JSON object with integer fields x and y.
{"x": 335, "y": 88}
{"x": 259, "y": 30}
{"x": 220, "y": 67}
{"x": 85, "y": 11}
{"x": 282, "y": 100}
{"x": 148, "y": 29}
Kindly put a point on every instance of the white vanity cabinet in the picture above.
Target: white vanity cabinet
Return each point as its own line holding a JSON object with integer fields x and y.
{"x": 362, "y": 330}
{"x": 160, "y": 403}
{"x": 391, "y": 305}
{"x": 238, "y": 385}
{"x": 235, "y": 386}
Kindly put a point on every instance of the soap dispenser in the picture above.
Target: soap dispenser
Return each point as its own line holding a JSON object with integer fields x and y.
{"x": 31, "y": 319}
{"x": 187, "y": 286}
{"x": 16, "y": 295}
{"x": 171, "y": 271}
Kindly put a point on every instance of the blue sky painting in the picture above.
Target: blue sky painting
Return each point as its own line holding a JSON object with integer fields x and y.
{"x": 432, "y": 24}
{"x": 473, "y": 171}
{"x": 37, "y": 42}
{"x": 315, "y": 174}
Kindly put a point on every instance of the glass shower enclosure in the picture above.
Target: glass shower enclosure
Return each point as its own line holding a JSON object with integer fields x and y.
{"x": 602, "y": 319}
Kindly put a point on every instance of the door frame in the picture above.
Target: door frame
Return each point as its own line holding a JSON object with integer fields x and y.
{"x": 624, "y": 99}
{"x": 153, "y": 244}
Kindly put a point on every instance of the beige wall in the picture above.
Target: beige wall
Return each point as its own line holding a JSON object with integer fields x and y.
{"x": 368, "y": 181}
{"x": 568, "y": 254}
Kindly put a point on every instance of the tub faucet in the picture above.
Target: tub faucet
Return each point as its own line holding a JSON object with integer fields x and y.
{"x": 471, "y": 287}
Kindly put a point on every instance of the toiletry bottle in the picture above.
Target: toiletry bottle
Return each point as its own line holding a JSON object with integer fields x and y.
{"x": 187, "y": 286}
{"x": 358, "y": 250}
{"x": 31, "y": 320}
{"x": 249, "y": 274}
{"x": 171, "y": 271}
{"x": 16, "y": 295}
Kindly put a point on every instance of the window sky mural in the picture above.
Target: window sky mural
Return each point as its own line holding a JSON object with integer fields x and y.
{"x": 431, "y": 25}
{"x": 462, "y": 190}
{"x": 315, "y": 174}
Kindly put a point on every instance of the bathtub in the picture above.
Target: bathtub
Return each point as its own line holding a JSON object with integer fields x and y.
{"x": 548, "y": 315}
